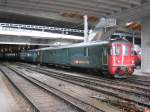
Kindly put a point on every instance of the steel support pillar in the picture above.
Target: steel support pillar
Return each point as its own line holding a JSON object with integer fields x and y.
{"x": 145, "y": 45}
{"x": 133, "y": 41}
{"x": 85, "y": 28}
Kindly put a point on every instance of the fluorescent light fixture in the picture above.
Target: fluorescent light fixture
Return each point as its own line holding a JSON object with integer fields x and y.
{"x": 14, "y": 43}
{"x": 37, "y": 34}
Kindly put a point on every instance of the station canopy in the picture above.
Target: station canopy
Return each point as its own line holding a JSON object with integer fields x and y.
{"x": 64, "y": 13}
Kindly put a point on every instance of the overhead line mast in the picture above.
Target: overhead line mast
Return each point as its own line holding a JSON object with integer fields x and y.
{"x": 85, "y": 28}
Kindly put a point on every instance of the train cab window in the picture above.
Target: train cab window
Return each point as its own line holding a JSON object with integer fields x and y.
{"x": 86, "y": 52}
{"x": 140, "y": 53}
{"x": 125, "y": 51}
{"x": 116, "y": 50}
{"x": 135, "y": 53}
{"x": 132, "y": 51}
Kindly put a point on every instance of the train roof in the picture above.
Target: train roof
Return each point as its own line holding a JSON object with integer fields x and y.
{"x": 84, "y": 44}
{"x": 117, "y": 41}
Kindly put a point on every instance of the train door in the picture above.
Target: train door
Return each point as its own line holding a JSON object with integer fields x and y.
{"x": 40, "y": 57}
{"x": 34, "y": 57}
{"x": 105, "y": 56}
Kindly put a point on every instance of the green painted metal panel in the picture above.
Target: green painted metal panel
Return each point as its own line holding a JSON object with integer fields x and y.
{"x": 86, "y": 57}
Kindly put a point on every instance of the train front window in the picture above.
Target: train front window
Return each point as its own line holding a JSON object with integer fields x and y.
{"x": 125, "y": 50}
{"x": 116, "y": 50}
{"x": 132, "y": 51}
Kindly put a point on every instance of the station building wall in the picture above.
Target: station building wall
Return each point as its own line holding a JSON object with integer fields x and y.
{"x": 145, "y": 44}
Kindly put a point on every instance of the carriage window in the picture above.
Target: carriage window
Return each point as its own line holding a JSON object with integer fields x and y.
{"x": 116, "y": 50}
{"x": 105, "y": 51}
{"x": 53, "y": 53}
{"x": 67, "y": 52}
{"x": 86, "y": 51}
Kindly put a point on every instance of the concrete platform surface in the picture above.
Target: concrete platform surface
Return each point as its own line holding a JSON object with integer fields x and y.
{"x": 7, "y": 101}
{"x": 140, "y": 73}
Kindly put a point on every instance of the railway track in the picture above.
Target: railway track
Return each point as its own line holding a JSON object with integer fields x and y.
{"x": 120, "y": 84}
{"x": 99, "y": 84}
{"x": 136, "y": 81}
{"x": 43, "y": 97}
{"x": 119, "y": 92}
{"x": 139, "y": 80}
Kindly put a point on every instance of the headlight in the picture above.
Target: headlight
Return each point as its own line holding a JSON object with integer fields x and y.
{"x": 132, "y": 61}
{"x": 118, "y": 61}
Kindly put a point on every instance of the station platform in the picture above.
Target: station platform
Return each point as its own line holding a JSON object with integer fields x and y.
{"x": 140, "y": 73}
{"x": 7, "y": 101}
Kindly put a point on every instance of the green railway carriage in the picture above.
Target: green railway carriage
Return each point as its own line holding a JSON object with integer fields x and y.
{"x": 29, "y": 56}
{"x": 87, "y": 55}
{"x": 10, "y": 56}
{"x": 1, "y": 56}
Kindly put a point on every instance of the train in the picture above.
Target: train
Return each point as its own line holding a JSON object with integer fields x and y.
{"x": 9, "y": 57}
{"x": 137, "y": 43}
{"x": 114, "y": 57}
{"x": 138, "y": 56}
